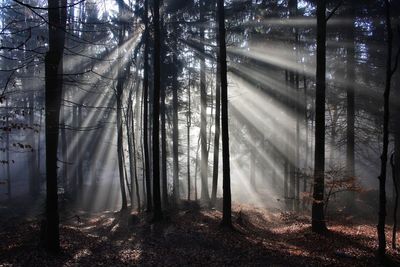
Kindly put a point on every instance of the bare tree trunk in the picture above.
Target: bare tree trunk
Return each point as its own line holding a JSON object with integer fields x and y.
{"x": 396, "y": 162}
{"x": 64, "y": 149}
{"x": 318, "y": 218}
{"x": 130, "y": 135}
{"x": 307, "y": 150}
{"x": 196, "y": 168}
{"x": 9, "y": 190}
{"x": 205, "y": 197}
{"x": 149, "y": 203}
{"x": 74, "y": 182}
{"x": 396, "y": 201}
{"x": 227, "y": 209}
{"x": 81, "y": 156}
{"x": 136, "y": 182}
{"x": 156, "y": 114}
{"x": 164, "y": 178}
{"x": 189, "y": 124}
{"x": 53, "y": 92}
{"x": 120, "y": 149}
{"x": 217, "y": 131}
{"x": 384, "y": 156}
{"x": 350, "y": 71}
{"x": 175, "y": 129}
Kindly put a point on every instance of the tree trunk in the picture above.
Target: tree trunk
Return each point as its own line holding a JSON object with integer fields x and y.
{"x": 205, "y": 197}
{"x": 130, "y": 134}
{"x": 217, "y": 131}
{"x": 189, "y": 124}
{"x": 396, "y": 168}
{"x": 163, "y": 92}
{"x": 156, "y": 114}
{"x": 53, "y": 92}
{"x": 149, "y": 203}
{"x": 175, "y": 129}
{"x": 64, "y": 149}
{"x": 120, "y": 149}
{"x": 81, "y": 155}
{"x": 164, "y": 177}
{"x": 9, "y": 190}
{"x": 226, "y": 184}
{"x": 318, "y": 218}
{"x": 307, "y": 150}
{"x": 385, "y": 141}
{"x": 74, "y": 182}
{"x": 350, "y": 71}
{"x": 395, "y": 200}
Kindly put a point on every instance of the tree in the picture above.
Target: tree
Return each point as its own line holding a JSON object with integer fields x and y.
{"x": 217, "y": 129}
{"x": 385, "y": 142}
{"x": 156, "y": 114}
{"x": 175, "y": 128}
{"x": 318, "y": 219}
{"x": 205, "y": 197}
{"x": 350, "y": 97}
{"x": 146, "y": 107}
{"x": 119, "y": 95}
{"x": 57, "y": 14}
{"x": 226, "y": 183}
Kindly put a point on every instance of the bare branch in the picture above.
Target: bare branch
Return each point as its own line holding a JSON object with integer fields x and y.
{"x": 333, "y": 11}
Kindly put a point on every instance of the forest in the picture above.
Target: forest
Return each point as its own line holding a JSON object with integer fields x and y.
{"x": 199, "y": 132}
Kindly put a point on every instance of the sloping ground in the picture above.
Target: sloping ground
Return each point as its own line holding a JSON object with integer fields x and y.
{"x": 192, "y": 237}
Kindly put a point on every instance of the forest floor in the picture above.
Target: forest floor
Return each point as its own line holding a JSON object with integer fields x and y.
{"x": 193, "y": 237}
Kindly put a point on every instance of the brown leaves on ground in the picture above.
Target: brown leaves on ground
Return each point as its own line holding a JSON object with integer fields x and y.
{"x": 193, "y": 237}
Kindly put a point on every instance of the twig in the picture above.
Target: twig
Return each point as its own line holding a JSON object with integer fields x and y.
{"x": 333, "y": 11}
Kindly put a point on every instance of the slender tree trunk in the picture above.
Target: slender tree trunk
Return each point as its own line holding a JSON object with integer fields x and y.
{"x": 196, "y": 169}
{"x": 385, "y": 141}
{"x": 189, "y": 124}
{"x": 396, "y": 201}
{"x": 74, "y": 182}
{"x": 149, "y": 203}
{"x": 217, "y": 131}
{"x": 298, "y": 120}
{"x": 156, "y": 114}
{"x": 205, "y": 197}
{"x": 396, "y": 168}
{"x": 64, "y": 149}
{"x": 307, "y": 150}
{"x": 53, "y": 92}
{"x": 333, "y": 135}
{"x": 141, "y": 127}
{"x": 81, "y": 156}
{"x": 292, "y": 150}
{"x": 286, "y": 164}
{"x": 163, "y": 92}
{"x": 295, "y": 84}
{"x": 164, "y": 178}
{"x": 120, "y": 150}
{"x": 318, "y": 218}
{"x": 350, "y": 71}
{"x": 136, "y": 181}
{"x": 9, "y": 190}
{"x": 39, "y": 149}
{"x": 136, "y": 177}
{"x": 130, "y": 134}
{"x": 175, "y": 129}
{"x": 226, "y": 184}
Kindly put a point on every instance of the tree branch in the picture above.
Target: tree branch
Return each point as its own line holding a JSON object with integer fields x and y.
{"x": 46, "y": 8}
{"x": 333, "y": 11}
